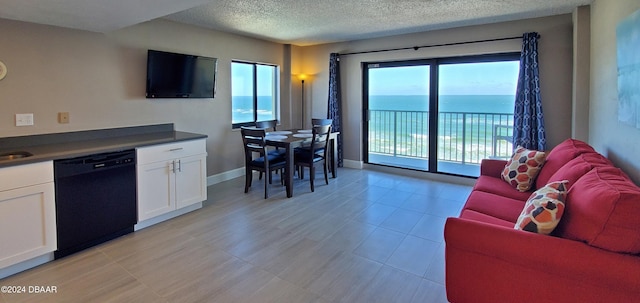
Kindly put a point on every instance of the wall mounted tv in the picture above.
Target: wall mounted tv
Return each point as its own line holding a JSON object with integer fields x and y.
{"x": 171, "y": 75}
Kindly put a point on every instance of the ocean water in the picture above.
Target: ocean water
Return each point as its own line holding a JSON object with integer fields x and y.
{"x": 243, "y": 109}
{"x": 466, "y": 124}
{"x": 498, "y": 104}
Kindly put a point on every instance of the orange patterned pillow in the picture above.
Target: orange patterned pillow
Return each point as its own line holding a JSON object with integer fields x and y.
{"x": 543, "y": 210}
{"x": 523, "y": 168}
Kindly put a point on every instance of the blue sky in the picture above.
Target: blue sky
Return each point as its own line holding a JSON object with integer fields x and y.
{"x": 490, "y": 78}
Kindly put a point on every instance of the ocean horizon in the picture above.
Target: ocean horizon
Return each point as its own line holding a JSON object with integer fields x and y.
{"x": 496, "y": 104}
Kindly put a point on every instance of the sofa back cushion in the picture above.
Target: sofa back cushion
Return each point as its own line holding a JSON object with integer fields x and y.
{"x": 579, "y": 166}
{"x": 602, "y": 210}
{"x": 559, "y": 156}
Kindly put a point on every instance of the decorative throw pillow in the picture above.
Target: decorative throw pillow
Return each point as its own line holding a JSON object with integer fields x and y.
{"x": 543, "y": 210}
{"x": 523, "y": 167}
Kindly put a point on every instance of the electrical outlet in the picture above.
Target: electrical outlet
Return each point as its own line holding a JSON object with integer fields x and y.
{"x": 24, "y": 119}
{"x": 63, "y": 117}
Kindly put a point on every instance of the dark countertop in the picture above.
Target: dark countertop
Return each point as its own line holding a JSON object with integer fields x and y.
{"x": 76, "y": 144}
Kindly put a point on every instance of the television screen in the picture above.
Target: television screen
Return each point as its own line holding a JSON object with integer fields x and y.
{"x": 171, "y": 75}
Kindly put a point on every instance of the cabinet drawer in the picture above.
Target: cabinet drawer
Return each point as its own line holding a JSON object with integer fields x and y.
{"x": 25, "y": 175}
{"x": 169, "y": 151}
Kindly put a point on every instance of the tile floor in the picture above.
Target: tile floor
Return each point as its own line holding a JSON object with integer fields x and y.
{"x": 368, "y": 236}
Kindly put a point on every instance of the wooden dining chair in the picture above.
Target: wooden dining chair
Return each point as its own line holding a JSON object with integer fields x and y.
{"x": 254, "y": 143}
{"x": 270, "y": 125}
{"x": 314, "y": 153}
{"x": 321, "y": 122}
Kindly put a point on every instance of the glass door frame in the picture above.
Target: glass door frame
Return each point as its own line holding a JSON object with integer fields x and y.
{"x": 433, "y": 64}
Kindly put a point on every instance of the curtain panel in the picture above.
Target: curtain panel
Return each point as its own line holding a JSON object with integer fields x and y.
{"x": 528, "y": 123}
{"x": 334, "y": 111}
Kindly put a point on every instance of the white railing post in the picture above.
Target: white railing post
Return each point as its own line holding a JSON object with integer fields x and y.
{"x": 464, "y": 136}
{"x": 395, "y": 134}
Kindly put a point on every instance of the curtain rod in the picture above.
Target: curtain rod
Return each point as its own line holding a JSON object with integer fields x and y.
{"x": 426, "y": 46}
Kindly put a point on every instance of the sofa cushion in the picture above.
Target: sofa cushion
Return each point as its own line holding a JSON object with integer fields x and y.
{"x": 523, "y": 167}
{"x": 603, "y": 210}
{"x": 559, "y": 156}
{"x": 543, "y": 209}
{"x": 494, "y": 205}
{"x": 480, "y": 217}
{"x": 499, "y": 187}
{"x": 577, "y": 167}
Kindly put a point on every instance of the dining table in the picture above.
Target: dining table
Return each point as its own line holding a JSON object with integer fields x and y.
{"x": 289, "y": 140}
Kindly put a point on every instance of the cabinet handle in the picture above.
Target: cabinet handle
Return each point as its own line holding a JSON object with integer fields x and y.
{"x": 176, "y": 149}
{"x": 172, "y": 166}
{"x": 179, "y": 166}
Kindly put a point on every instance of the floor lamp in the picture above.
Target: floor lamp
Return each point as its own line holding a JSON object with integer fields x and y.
{"x": 302, "y": 77}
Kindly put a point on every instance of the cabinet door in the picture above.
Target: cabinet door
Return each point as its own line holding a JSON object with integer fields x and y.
{"x": 28, "y": 226}
{"x": 156, "y": 185}
{"x": 191, "y": 181}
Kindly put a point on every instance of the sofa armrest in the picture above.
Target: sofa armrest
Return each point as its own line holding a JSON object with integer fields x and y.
{"x": 565, "y": 259}
{"x": 492, "y": 167}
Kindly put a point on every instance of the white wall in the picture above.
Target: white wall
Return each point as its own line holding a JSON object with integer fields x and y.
{"x": 555, "y": 56}
{"x": 100, "y": 80}
{"x": 618, "y": 141}
{"x": 581, "y": 72}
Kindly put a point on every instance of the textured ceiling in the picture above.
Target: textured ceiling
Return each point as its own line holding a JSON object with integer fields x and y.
{"x": 92, "y": 15}
{"x": 299, "y": 22}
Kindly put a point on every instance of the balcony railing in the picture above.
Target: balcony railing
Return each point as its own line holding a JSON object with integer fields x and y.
{"x": 464, "y": 138}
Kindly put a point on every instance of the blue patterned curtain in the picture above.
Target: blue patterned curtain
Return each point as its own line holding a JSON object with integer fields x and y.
{"x": 528, "y": 121}
{"x": 335, "y": 101}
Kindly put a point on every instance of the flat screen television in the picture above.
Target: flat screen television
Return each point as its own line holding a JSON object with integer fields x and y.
{"x": 172, "y": 75}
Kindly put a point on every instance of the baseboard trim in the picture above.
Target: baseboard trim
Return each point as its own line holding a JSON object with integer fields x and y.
{"x": 225, "y": 176}
{"x": 353, "y": 164}
{"x": 24, "y": 265}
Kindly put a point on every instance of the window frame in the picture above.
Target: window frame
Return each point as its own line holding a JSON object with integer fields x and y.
{"x": 276, "y": 91}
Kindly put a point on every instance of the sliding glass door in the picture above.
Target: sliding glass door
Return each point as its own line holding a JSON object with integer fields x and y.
{"x": 475, "y": 111}
{"x": 440, "y": 115}
{"x": 398, "y": 115}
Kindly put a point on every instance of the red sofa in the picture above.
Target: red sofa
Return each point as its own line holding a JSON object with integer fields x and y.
{"x": 593, "y": 255}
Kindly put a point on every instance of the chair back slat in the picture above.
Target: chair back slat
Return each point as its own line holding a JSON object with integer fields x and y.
{"x": 317, "y": 121}
{"x": 269, "y": 124}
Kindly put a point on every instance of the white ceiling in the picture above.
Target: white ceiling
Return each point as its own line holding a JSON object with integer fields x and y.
{"x": 299, "y": 22}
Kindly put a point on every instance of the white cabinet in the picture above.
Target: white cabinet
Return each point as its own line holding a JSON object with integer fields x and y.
{"x": 27, "y": 212}
{"x": 170, "y": 177}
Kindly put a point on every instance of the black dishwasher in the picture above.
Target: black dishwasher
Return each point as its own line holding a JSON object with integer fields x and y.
{"x": 95, "y": 199}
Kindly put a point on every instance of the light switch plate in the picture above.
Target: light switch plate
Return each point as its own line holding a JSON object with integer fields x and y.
{"x": 24, "y": 119}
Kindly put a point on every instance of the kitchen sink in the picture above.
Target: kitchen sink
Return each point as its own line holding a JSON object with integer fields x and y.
{"x": 15, "y": 155}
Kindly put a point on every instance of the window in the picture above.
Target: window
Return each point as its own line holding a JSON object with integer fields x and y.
{"x": 254, "y": 93}
{"x": 440, "y": 115}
